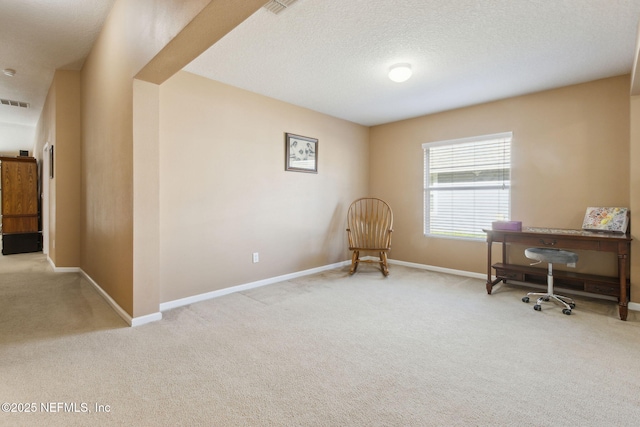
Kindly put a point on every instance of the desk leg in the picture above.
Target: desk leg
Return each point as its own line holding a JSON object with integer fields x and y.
{"x": 623, "y": 301}
{"x": 489, "y": 282}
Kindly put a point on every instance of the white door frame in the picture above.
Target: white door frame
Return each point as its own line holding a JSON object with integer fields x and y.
{"x": 45, "y": 198}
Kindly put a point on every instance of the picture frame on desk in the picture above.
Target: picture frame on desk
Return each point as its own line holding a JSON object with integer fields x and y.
{"x": 611, "y": 219}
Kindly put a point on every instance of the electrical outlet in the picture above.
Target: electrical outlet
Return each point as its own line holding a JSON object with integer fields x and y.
{"x": 256, "y": 257}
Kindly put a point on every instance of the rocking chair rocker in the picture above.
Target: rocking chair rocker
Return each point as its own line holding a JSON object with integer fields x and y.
{"x": 370, "y": 223}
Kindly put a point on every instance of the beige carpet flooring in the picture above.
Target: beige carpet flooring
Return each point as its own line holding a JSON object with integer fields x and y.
{"x": 415, "y": 349}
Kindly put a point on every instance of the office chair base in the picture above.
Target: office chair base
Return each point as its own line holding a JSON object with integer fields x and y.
{"x": 567, "y": 302}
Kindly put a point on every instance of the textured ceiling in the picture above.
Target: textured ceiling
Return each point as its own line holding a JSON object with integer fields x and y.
{"x": 38, "y": 37}
{"x": 332, "y": 56}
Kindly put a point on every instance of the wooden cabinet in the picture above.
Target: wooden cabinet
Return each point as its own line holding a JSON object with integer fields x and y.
{"x": 19, "y": 205}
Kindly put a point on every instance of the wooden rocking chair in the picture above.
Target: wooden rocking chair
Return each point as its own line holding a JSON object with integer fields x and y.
{"x": 370, "y": 223}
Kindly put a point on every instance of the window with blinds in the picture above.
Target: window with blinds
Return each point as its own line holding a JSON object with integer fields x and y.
{"x": 467, "y": 185}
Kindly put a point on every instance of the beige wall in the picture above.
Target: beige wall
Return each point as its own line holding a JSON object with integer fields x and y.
{"x": 59, "y": 125}
{"x": 634, "y": 192}
{"x": 134, "y": 35}
{"x": 224, "y": 193}
{"x": 107, "y": 160}
{"x": 570, "y": 150}
{"x": 45, "y": 133}
{"x": 146, "y": 187}
{"x": 67, "y": 171}
{"x": 218, "y": 204}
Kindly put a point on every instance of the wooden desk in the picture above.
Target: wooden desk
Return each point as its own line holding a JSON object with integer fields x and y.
{"x": 620, "y": 244}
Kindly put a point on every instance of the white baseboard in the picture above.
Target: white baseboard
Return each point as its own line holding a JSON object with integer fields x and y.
{"x": 63, "y": 269}
{"x": 153, "y": 317}
{"x": 131, "y": 321}
{"x": 239, "y": 288}
{"x": 439, "y": 269}
{"x": 631, "y": 306}
{"x": 221, "y": 292}
{"x": 143, "y": 320}
{"x": 125, "y": 316}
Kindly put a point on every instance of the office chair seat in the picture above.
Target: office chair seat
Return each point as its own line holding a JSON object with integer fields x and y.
{"x": 551, "y": 256}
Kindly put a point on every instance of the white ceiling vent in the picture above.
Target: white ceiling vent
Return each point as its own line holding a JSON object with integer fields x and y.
{"x": 14, "y": 103}
{"x": 277, "y": 6}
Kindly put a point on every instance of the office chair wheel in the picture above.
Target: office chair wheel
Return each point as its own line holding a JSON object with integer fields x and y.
{"x": 572, "y": 305}
{"x": 566, "y": 311}
{"x": 537, "y": 307}
{"x": 525, "y": 299}
{"x": 546, "y": 299}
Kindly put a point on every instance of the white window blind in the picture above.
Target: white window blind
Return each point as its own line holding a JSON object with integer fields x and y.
{"x": 467, "y": 185}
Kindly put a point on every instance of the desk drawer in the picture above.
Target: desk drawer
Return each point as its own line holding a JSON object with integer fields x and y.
{"x": 602, "y": 288}
{"x": 554, "y": 242}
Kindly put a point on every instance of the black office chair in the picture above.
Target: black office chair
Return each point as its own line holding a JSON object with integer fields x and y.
{"x": 551, "y": 256}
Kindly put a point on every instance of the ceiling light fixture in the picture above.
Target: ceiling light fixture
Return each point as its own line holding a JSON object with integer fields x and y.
{"x": 400, "y": 72}
{"x": 9, "y": 72}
